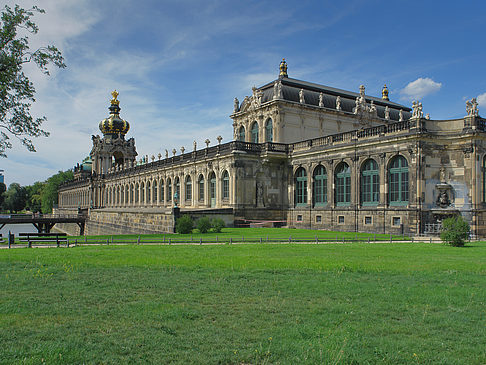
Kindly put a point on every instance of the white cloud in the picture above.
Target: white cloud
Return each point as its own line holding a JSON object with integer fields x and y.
{"x": 482, "y": 99}
{"x": 421, "y": 87}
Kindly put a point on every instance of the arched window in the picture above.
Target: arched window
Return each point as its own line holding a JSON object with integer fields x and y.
{"x": 132, "y": 194}
{"x": 188, "y": 191}
{"x": 127, "y": 194}
{"x": 398, "y": 178}
{"x": 169, "y": 190}
{"x": 137, "y": 192}
{"x": 241, "y": 134}
{"x": 225, "y": 187}
{"x": 269, "y": 130}
{"x": 118, "y": 195}
{"x": 177, "y": 188}
{"x": 147, "y": 193}
{"x": 254, "y": 132}
{"x": 300, "y": 187}
{"x": 342, "y": 181}
{"x": 142, "y": 193}
{"x": 200, "y": 184}
{"x": 370, "y": 183}
{"x": 484, "y": 179}
{"x": 154, "y": 191}
{"x": 212, "y": 189}
{"x": 162, "y": 190}
{"x": 319, "y": 189}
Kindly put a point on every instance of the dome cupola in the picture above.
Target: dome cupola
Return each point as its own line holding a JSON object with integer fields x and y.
{"x": 113, "y": 125}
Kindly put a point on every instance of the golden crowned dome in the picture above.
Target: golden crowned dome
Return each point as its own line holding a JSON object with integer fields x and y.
{"x": 114, "y": 125}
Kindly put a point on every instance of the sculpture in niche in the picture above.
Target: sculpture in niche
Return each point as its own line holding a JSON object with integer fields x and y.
{"x": 259, "y": 191}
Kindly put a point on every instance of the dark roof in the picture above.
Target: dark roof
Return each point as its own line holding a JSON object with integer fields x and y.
{"x": 291, "y": 88}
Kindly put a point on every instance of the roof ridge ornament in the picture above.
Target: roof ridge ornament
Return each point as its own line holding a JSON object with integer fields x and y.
{"x": 115, "y": 94}
{"x": 283, "y": 69}
{"x": 384, "y": 93}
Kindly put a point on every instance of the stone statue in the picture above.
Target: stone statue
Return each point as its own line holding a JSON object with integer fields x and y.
{"x": 301, "y": 96}
{"x": 427, "y": 116}
{"x": 279, "y": 90}
{"x": 387, "y": 113}
{"x": 442, "y": 175}
{"x": 372, "y": 107}
{"x": 174, "y": 151}
{"x": 259, "y": 189}
{"x": 236, "y": 105}
{"x": 195, "y": 145}
{"x": 219, "y": 138}
{"x": 472, "y": 108}
{"x": 321, "y": 99}
{"x": 400, "y": 116}
{"x": 338, "y": 103}
{"x": 182, "y": 150}
{"x": 166, "y": 154}
{"x": 443, "y": 199}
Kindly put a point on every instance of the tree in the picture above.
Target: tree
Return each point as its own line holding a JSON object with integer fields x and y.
{"x": 49, "y": 194}
{"x": 455, "y": 231}
{"x": 16, "y": 90}
{"x": 3, "y": 189}
{"x": 34, "y": 196}
{"x": 203, "y": 224}
{"x": 184, "y": 224}
{"x": 16, "y": 197}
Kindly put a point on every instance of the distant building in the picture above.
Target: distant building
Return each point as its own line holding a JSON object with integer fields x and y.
{"x": 307, "y": 155}
{"x": 2, "y": 178}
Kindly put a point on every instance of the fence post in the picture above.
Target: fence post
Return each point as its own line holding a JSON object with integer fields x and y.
{"x": 260, "y": 240}
{"x": 343, "y": 239}
{"x": 336, "y": 238}
{"x": 138, "y": 240}
{"x": 290, "y": 239}
{"x": 111, "y": 239}
{"x": 107, "y": 241}
{"x": 374, "y": 238}
{"x": 412, "y": 239}
{"x": 390, "y": 238}
{"x": 200, "y": 241}
{"x": 169, "y": 242}
{"x": 75, "y": 242}
{"x": 231, "y": 240}
{"x": 85, "y": 239}
{"x": 430, "y": 239}
{"x": 317, "y": 240}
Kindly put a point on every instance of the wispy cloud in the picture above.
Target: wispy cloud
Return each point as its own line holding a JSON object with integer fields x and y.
{"x": 482, "y": 99}
{"x": 421, "y": 87}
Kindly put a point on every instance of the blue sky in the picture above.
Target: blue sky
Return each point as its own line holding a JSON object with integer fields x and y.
{"x": 179, "y": 64}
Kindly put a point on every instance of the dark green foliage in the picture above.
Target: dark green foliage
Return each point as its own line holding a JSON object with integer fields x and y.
{"x": 203, "y": 225}
{"x": 184, "y": 224}
{"x": 34, "y": 196}
{"x": 3, "y": 189}
{"x": 49, "y": 194}
{"x": 455, "y": 231}
{"x": 15, "y": 198}
{"x": 16, "y": 90}
{"x": 217, "y": 224}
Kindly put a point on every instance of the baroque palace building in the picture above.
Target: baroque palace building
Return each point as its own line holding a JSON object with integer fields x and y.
{"x": 304, "y": 155}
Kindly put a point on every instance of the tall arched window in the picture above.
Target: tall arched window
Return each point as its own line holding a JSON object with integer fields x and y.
{"x": 162, "y": 191}
{"x": 300, "y": 187}
{"x": 225, "y": 186}
{"x": 212, "y": 189}
{"x": 118, "y": 195}
{"x": 484, "y": 179}
{"x": 200, "y": 184}
{"x": 241, "y": 134}
{"x": 148, "y": 193}
{"x": 132, "y": 194}
{"x": 254, "y": 132}
{"x": 370, "y": 183}
{"x": 142, "y": 193}
{"x": 169, "y": 190}
{"x": 319, "y": 189}
{"x": 137, "y": 192}
{"x": 188, "y": 190}
{"x": 177, "y": 188}
{"x": 342, "y": 181}
{"x": 154, "y": 191}
{"x": 127, "y": 194}
{"x": 269, "y": 130}
{"x": 398, "y": 177}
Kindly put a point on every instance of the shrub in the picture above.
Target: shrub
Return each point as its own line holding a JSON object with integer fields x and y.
{"x": 217, "y": 224}
{"x": 203, "y": 224}
{"x": 184, "y": 224}
{"x": 455, "y": 231}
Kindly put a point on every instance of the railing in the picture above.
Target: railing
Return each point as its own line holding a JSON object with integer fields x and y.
{"x": 433, "y": 227}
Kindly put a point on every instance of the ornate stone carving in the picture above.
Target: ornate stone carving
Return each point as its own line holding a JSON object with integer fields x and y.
{"x": 417, "y": 109}
{"x": 400, "y": 116}
{"x": 236, "y": 105}
{"x": 207, "y": 141}
{"x": 195, "y": 145}
{"x": 338, "y": 103}
{"x": 166, "y": 154}
{"x": 387, "y": 113}
{"x": 301, "y": 96}
{"x": 472, "y": 108}
{"x": 219, "y": 138}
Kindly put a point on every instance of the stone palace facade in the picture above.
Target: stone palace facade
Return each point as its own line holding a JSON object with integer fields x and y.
{"x": 303, "y": 155}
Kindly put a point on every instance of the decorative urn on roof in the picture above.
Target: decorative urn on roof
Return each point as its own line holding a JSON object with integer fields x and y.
{"x": 114, "y": 126}
{"x": 283, "y": 68}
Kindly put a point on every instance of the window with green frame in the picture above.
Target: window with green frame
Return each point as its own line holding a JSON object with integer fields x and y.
{"x": 188, "y": 191}
{"x": 254, "y": 132}
{"x": 342, "y": 181}
{"x": 398, "y": 181}
{"x": 269, "y": 130}
{"x": 241, "y": 134}
{"x": 484, "y": 179}
{"x": 300, "y": 187}
{"x": 225, "y": 185}
{"x": 201, "y": 187}
{"x": 177, "y": 187}
{"x": 370, "y": 183}
{"x": 162, "y": 191}
{"x": 319, "y": 188}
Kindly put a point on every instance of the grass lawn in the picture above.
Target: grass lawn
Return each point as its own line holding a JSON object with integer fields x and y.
{"x": 239, "y": 304}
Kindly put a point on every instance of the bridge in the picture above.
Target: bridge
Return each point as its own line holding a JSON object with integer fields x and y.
{"x": 43, "y": 222}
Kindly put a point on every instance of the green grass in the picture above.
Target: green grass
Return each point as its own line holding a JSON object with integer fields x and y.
{"x": 241, "y": 234}
{"x": 239, "y": 304}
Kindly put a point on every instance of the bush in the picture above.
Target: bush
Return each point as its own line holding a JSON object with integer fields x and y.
{"x": 455, "y": 231}
{"x": 217, "y": 224}
{"x": 203, "y": 224}
{"x": 184, "y": 224}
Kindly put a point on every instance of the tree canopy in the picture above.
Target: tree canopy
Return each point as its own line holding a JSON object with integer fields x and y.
{"x": 16, "y": 90}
